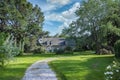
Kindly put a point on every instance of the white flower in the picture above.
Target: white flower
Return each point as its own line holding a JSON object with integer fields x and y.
{"x": 109, "y": 67}
{"x": 111, "y": 77}
{"x": 105, "y": 73}
{"x": 111, "y": 73}
{"x": 114, "y": 62}
{"x": 117, "y": 70}
{"x": 114, "y": 65}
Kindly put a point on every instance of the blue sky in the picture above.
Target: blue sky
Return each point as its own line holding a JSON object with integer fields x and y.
{"x": 58, "y": 13}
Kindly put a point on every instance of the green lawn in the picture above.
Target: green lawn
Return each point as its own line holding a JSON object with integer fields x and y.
{"x": 68, "y": 67}
{"x": 15, "y": 70}
{"x": 81, "y": 67}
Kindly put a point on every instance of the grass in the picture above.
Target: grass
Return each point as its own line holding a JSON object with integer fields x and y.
{"x": 81, "y": 67}
{"x": 15, "y": 69}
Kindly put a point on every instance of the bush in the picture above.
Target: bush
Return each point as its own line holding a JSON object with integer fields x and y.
{"x": 36, "y": 51}
{"x": 113, "y": 71}
{"x": 78, "y": 49}
{"x": 7, "y": 51}
{"x": 68, "y": 50}
{"x": 117, "y": 48}
{"x": 39, "y": 50}
{"x": 59, "y": 51}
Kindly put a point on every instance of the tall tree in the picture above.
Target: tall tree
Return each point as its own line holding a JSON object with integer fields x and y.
{"x": 112, "y": 21}
{"x": 90, "y": 15}
{"x": 21, "y": 19}
{"x": 98, "y": 21}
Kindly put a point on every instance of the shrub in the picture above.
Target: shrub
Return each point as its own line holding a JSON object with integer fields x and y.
{"x": 78, "y": 49}
{"x": 68, "y": 50}
{"x": 117, "y": 48}
{"x": 27, "y": 48}
{"x": 36, "y": 51}
{"x": 7, "y": 51}
{"x": 39, "y": 50}
{"x": 59, "y": 51}
{"x": 113, "y": 71}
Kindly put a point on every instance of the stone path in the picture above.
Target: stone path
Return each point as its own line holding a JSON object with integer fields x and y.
{"x": 40, "y": 71}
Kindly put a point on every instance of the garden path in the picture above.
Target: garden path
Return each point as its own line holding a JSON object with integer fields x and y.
{"x": 40, "y": 71}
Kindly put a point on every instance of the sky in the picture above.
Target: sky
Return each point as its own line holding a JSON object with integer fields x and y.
{"x": 58, "y": 14}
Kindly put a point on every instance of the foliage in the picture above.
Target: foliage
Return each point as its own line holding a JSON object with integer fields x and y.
{"x": 59, "y": 51}
{"x": 117, "y": 48}
{"x": 39, "y": 50}
{"x": 88, "y": 25}
{"x": 68, "y": 50}
{"x": 113, "y": 71}
{"x": 97, "y": 24}
{"x": 21, "y": 19}
{"x": 7, "y": 50}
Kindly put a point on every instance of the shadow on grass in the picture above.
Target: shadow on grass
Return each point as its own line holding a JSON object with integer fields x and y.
{"x": 81, "y": 69}
{"x": 13, "y": 72}
{"x": 59, "y": 55}
{"x": 38, "y": 55}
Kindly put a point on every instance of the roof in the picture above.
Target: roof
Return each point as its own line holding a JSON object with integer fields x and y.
{"x": 52, "y": 41}
{"x": 57, "y": 42}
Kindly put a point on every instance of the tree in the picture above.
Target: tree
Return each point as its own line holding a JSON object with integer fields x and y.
{"x": 88, "y": 24}
{"x": 112, "y": 22}
{"x": 21, "y": 19}
{"x": 98, "y": 23}
{"x": 44, "y": 34}
{"x": 91, "y": 14}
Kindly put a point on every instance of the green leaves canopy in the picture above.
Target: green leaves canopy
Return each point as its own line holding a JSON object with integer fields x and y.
{"x": 21, "y": 19}
{"x": 97, "y": 19}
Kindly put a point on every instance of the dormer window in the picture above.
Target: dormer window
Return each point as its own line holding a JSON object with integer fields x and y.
{"x": 40, "y": 41}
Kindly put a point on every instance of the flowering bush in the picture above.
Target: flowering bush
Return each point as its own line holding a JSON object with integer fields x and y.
{"x": 113, "y": 71}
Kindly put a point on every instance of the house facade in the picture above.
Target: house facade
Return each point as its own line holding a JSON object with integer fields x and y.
{"x": 52, "y": 44}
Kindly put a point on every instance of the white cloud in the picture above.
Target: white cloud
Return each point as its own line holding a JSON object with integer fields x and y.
{"x": 48, "y": 23}
{"x": 66, "y": 17}
{"x": 55, "y": 17}
{"x": 53, "y": 5}
{"x": 70, "y": 14}
{"x": 48, "y": 7}
{"x": 60, "y": 2}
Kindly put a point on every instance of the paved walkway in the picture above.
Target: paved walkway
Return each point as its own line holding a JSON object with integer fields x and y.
{"x": 40, "y": 71}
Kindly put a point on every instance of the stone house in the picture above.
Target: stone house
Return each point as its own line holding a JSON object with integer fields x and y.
{"x": 52, "y": 44}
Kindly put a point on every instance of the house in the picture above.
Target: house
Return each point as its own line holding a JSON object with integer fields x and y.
{"x": 52, "y": 44}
